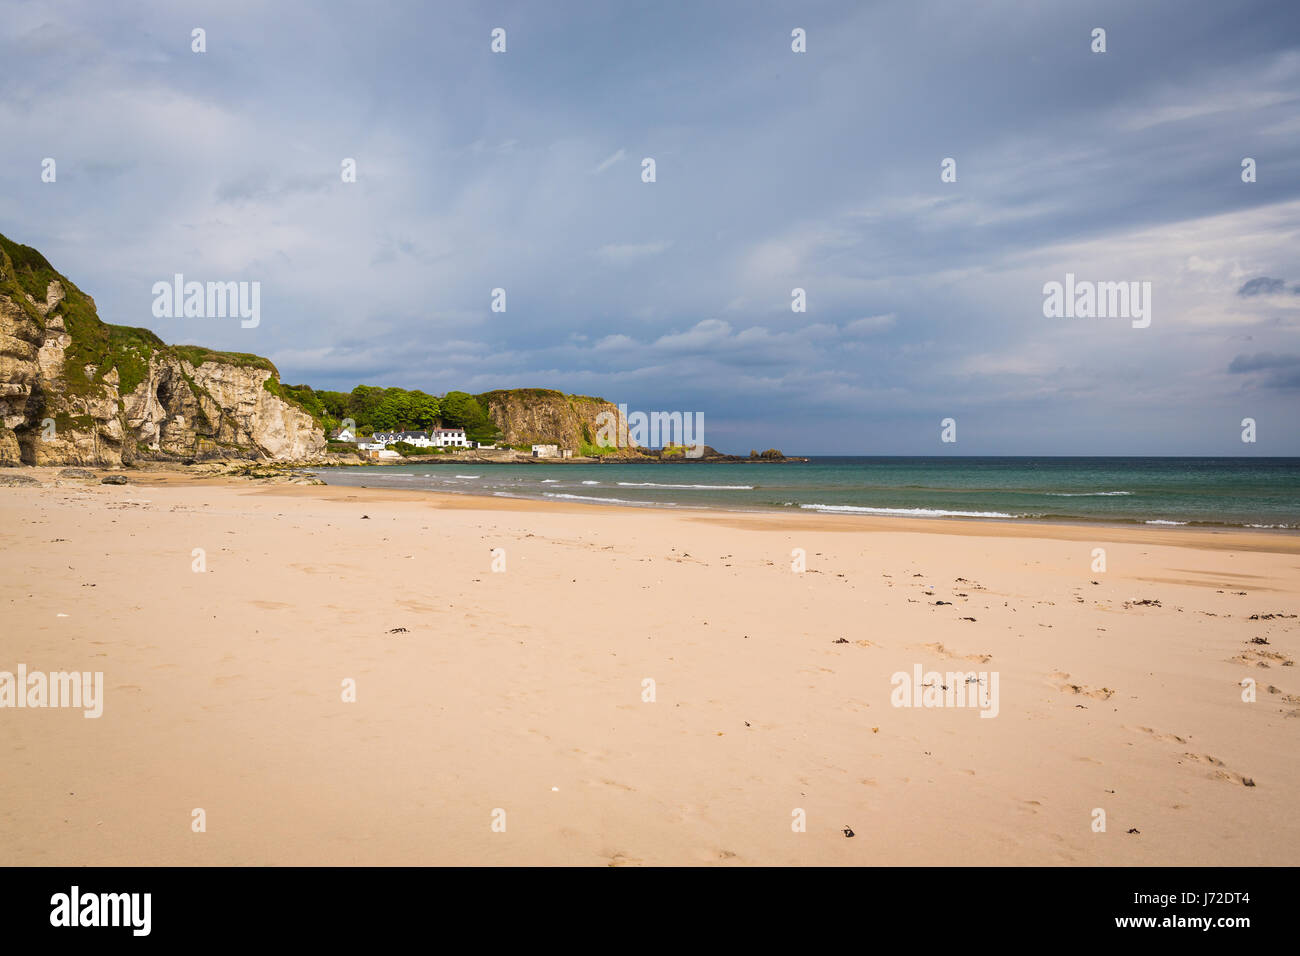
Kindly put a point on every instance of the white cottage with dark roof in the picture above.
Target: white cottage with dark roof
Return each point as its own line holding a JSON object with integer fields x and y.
{"x": 434, "y": 438}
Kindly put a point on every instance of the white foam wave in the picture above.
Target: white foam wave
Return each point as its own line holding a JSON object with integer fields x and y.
{"x": 1085, "y": 494}
{"x": 611, "y": 501}
{"x": 652, "y": 484}
{"x": 916, "y": 512}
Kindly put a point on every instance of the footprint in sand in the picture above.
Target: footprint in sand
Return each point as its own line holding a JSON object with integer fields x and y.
{"x": 953, "y": 655}
{"x": 1261, "y": 658}
{"x": 1221, "y": 772}
{"x": 1287, "y": 698}
{"x": 1168, "y": 738}
{"x": 1061, "y": 681}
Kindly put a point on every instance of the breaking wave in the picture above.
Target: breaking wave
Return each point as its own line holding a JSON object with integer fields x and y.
{"x": 914, "y": 512}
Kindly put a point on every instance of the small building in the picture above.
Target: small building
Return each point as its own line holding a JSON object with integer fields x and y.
{"x": 435, "y": 438}
{"x": 449, "y": 438}
{"x": 344, "y": 434}
{"x": 546, "y": 451}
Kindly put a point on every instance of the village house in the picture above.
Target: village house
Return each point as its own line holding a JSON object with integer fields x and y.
{"x": 546, "y": 451}
{"x": 434, "y": 438}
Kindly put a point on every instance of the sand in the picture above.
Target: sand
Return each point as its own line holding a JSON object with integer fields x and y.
{"x": 481, "y": 691}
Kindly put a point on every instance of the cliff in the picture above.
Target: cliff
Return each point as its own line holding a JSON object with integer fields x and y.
{"x": 529, "y": 416}
{"x": 75, "y": 390}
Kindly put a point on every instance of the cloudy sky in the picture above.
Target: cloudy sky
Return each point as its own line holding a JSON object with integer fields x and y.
{"x": 775, "y": 170}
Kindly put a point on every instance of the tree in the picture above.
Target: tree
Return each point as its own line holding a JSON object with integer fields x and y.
{"x": 462, "y": 410}
{"x": 362, "y": 403}
{"x": 425, "y": 410}
{"x": 393, "y": 412}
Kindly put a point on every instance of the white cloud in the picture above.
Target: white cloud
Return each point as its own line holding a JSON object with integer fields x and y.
{"x": 609, "y": 161}
{"x": 870, "y": 323}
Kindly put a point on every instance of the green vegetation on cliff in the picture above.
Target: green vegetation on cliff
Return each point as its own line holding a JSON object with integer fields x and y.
{"x": 96, "y": 347}
{"x": 197, "y": 355}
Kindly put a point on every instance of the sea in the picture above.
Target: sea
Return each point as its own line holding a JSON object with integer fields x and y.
{"x": 1258, "y": 493}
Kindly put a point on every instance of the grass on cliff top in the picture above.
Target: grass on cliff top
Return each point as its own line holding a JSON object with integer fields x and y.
{"x": 24, "y": 271}
{"x": 526, "y": 393}
{"x": 94, "y": 342}
{"x": 196, "y": 355}
{"x": 106, "y": 347}
{"x": 31, "y": 270}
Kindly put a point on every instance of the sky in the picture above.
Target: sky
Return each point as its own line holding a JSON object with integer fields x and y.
{"x": 774, "y": 170}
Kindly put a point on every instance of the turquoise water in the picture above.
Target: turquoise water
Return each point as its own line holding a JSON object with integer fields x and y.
{"x": 1240, "y": 492}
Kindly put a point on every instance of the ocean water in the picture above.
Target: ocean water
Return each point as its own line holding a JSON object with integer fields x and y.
{"x": 1226, "y": 492}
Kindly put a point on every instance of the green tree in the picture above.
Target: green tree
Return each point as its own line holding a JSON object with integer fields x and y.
{"x": 462, "y": 410}
{"x": 362, "y": 402}
{"x": 336, "y": 404}
{"x": 425, "y": 410}
{"x": 395, "y": 411}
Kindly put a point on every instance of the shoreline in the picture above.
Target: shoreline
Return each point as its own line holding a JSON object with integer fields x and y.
{"x": 803, "y": 518}
{"x": 823, "y": 513}
{"x": 1227, "y": 538}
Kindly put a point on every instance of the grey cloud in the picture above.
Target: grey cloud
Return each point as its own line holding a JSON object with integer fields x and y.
{"x": 1282, "y": 371}
{"x": 1261, "y": 286}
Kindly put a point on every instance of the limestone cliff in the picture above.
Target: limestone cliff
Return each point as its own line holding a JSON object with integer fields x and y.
{"x": 75, "y": 390}
{"x": 544, "y": 416}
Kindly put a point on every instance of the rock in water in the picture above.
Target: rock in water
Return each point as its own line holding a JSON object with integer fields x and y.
{"x": 114, "y": 480}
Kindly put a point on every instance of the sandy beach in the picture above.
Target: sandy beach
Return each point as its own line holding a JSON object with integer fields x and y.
{"x": 524, "y": 689}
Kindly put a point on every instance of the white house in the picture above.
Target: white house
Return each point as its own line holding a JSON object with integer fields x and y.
{"x": 546, "y": 451}
{"x": 419, "y": 439}
{"x": 436, "y": 438}
{"x": 449, "y": 438}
